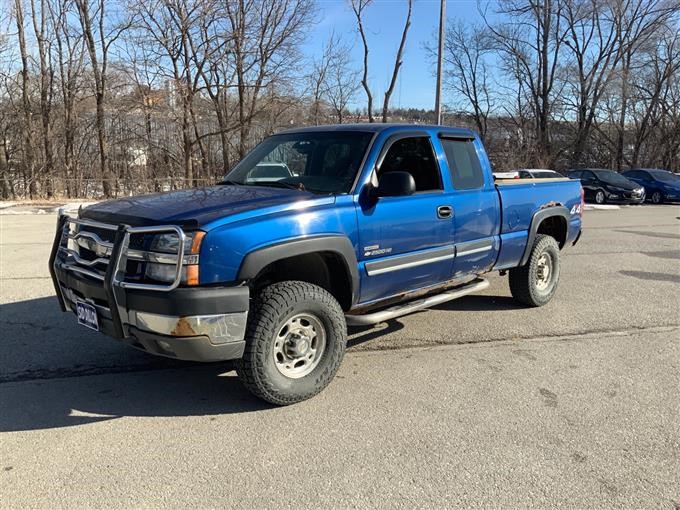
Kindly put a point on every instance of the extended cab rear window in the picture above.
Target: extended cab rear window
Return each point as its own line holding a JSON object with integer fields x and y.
{"x": 461, "y": 156}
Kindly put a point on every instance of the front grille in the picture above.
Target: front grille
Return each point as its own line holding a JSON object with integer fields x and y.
{"x": 85, "y": 247}
{"x": 100, "y": 239}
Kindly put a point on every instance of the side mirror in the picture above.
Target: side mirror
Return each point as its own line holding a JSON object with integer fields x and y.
{"x": 395, "y": 184}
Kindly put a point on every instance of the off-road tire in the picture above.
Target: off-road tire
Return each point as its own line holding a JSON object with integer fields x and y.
{"x": 523, "y": 279}
{"x": 271, "y": 309}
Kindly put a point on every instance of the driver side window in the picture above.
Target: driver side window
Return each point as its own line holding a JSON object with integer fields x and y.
{"x": 415, "y": 156}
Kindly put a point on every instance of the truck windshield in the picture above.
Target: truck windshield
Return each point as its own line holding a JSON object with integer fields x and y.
{"x": 321, "y": 162}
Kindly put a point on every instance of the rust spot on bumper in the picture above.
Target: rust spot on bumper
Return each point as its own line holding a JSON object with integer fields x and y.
{"x": 183, "y": 328}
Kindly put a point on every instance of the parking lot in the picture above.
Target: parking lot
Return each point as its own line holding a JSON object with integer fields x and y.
{"x": 476, "y": 402}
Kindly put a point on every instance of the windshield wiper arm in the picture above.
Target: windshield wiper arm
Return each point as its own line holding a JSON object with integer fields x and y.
{"x": 227, "y": 182}
{"x": 281, "y": 184}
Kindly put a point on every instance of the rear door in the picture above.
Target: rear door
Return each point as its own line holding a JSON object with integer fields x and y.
{"x": 475, "y": 206}
{"x": 590, "y": 184}
{"x": 405, "y": 243}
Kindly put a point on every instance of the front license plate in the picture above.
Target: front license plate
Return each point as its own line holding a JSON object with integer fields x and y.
{"x": 87, "y": 315}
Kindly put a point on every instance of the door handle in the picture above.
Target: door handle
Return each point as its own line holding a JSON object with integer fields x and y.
{"x": 444, "y": 211}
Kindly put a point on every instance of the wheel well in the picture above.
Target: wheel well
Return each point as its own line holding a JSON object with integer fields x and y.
{"x": 555, "y": 226}
{"x": 328, "y": 270}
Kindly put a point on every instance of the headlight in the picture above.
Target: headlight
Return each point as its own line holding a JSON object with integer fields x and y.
{"x": 164, "y": 272}
{"x": 164, "y": 268}
{"x": 169, "y": 243}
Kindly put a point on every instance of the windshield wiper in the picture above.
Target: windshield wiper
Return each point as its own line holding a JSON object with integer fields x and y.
{"x": 280, "y": 184}
{"x": 230, "y": 183}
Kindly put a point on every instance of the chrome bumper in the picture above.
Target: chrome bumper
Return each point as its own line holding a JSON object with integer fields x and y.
{"x": 220, "y": 329}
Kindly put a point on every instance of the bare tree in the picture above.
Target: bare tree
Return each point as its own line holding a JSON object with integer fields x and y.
{"x": 530, "y": 40}
{"x": 193, "y": 84}
{"x": 602, "y": 36}
{"x": 265, "y": 37}
{"x": 653, "y": 97}
{"x": 642, "y": 41}
{"x": 466, "y": 74}
{"x": 318, "y": 77}
{"x": 397, "y": 62}
{"x": 70, "y": 54}
{"x": 41, "y": 31}
{"x": 170, "y": 26}
{"x": 28, "y": 156}
{"x": 342, "y": 81}
{"x": 218, "y": 78}
{"x": 332, "y": 81}
{"x": 359, "y": 6}
{"x": 6, "y": 188}
{"x": 99, "y": 38}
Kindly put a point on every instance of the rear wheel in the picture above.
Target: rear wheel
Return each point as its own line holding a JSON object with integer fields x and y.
{"x": 656, "y": 197}
{"x": 535, "y": 283}
{"x": 295, "y": 342}
{"x": 600, "y": 197}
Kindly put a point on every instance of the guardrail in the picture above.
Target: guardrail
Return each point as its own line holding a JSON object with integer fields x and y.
{"x": 94, "y": 188}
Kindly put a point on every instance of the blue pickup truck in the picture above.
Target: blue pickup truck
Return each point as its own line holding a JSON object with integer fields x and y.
{"x": 314, "y": 230}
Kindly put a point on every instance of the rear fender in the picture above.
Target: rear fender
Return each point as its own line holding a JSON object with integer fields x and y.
{"x": 559, "y": 211}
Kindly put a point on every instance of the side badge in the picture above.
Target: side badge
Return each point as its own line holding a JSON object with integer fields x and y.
{"x": 374, "y": 249}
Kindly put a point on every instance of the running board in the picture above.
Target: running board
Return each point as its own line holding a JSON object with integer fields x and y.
{"x": 413, "y": 306}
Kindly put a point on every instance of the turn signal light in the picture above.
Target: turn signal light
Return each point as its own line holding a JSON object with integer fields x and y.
{"x": 192, "y": 269}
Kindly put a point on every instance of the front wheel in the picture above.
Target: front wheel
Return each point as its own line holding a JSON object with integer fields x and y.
{"x": 535, "y": 283}
{"x": 295, "y": 342}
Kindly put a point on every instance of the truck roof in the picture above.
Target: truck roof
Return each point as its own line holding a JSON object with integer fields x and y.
{"x": 377, "y": 127}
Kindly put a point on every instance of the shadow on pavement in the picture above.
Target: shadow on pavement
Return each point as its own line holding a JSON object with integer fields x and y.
{"x": 481, "y": 303}
{"x": 39, "y": 341}
{"x": 358, "y": 335}
{"x": 46, "y": 358}
{"x": 55, "y": 403}
{"x": 657, "y": 277}
{"x": 46, "y": 361}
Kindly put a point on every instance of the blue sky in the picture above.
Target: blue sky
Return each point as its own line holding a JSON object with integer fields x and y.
{"x": 384, "y": 21}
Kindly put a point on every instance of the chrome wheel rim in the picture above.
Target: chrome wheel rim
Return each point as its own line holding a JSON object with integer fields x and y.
{"x": 599, "y": 197}
{"x": 544, "y": 271}
{"x": 299, "y": 345}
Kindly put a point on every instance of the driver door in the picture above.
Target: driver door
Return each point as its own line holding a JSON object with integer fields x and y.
{"x": 405, "y": 241}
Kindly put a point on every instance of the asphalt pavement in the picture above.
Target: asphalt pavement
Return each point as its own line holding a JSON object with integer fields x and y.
{"x": 478, "y": 402}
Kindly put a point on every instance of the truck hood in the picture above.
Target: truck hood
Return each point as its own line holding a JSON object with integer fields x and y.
{"x": 191, "y": 208}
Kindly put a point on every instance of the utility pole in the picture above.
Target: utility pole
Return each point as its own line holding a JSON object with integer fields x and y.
{"x": 440, "y": 59}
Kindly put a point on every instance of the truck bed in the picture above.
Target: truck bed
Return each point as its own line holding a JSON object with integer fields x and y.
{"x": 521, "y": 199}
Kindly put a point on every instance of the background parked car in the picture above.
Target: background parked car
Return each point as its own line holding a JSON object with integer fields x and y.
{"x": 660, "y": 185}
{"x": 528, "y": 173}
{"x": 539, "y": 173}
{"x": 600, "y": 186}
